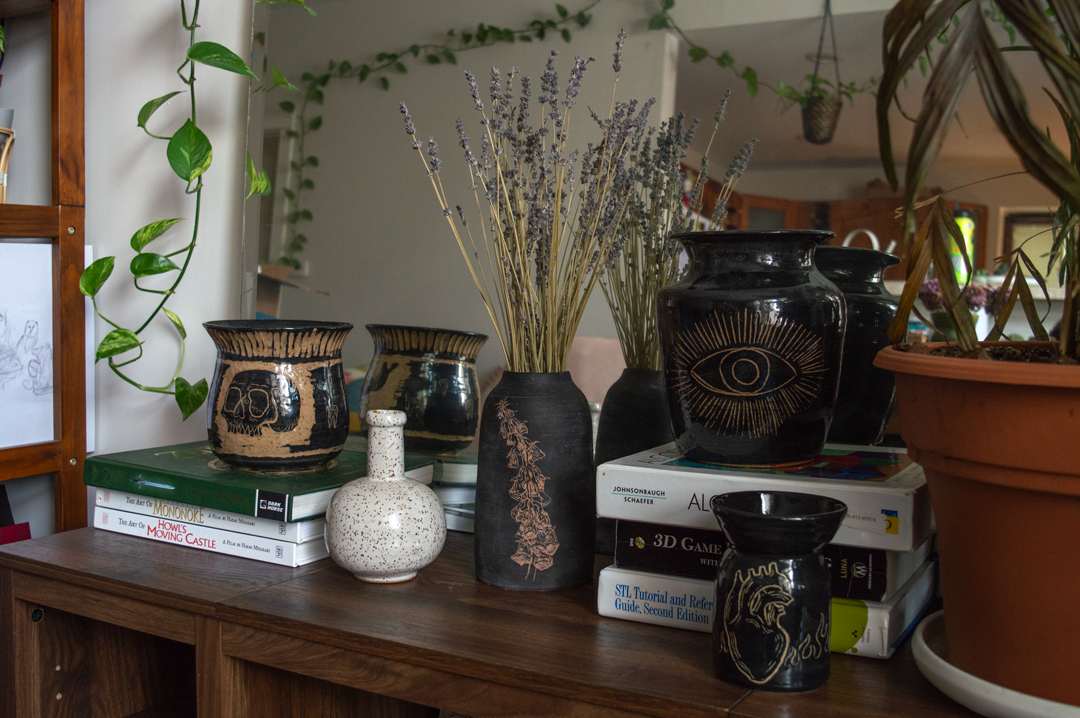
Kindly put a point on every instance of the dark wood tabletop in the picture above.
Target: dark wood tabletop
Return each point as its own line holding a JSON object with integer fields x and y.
{"x": 445, "y": 632}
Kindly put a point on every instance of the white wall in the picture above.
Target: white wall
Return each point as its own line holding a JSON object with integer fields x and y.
{"x": 132, "y": 51}
{"x": 379, "y": 243}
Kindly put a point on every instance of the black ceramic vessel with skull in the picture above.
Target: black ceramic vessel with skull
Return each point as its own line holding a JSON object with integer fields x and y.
{"x": 278, "y": 401}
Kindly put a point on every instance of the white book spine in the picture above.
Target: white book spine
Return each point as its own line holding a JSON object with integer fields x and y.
{"x": 291, "y": 532}
{"x": 179, "y": 533}
{"x": 657, "y": 598}
{"x": 456, "y": 522}
{"x": 890, "y": 520}
{"x": 863, "y": 628}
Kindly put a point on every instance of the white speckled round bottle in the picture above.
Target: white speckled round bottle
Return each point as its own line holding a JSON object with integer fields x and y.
{"x": 385, "y": 527}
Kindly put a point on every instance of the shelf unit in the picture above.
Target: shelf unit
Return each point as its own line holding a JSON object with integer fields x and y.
{"x": 62, "y": 224}
{"x": 134, "y": 627}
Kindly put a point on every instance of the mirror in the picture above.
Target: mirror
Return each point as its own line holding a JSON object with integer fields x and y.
{"x": 376, "y": 241}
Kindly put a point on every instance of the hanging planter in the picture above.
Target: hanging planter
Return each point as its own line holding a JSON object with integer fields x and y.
{"x": 821, "y": 110}
{"x": 819, "y": 118}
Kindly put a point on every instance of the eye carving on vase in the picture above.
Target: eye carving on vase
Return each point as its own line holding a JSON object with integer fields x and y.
{"x": 258, "y": 400}
{"x": 744, "y": 374}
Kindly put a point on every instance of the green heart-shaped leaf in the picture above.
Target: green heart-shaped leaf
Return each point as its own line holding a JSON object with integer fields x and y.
{"x": 152, "y": 106}
{"x": 116, "y": 342}
{"x": 176, "y": 322}
{"x": 147, "y": 264}
{"x": 259, "y": 181}
{"x": 189, "y": 152}
{"x": 150, "y": 232}
{"x": 219, "y": 56}
{"x": 189, "y": 397}
{"x": 94, "y": 276}
{"x": 281, "y": 81}
{"x": 302, "y": 4}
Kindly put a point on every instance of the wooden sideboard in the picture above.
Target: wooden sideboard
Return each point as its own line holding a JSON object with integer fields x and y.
{"x": 95, "y": 623}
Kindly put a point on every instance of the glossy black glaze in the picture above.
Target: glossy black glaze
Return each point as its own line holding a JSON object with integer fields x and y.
{"x": 634, "y": 417}
{"x": 430, "y": 374}
{"x": 750, "y": 345}
{"x": 536, "y": 485}
{"x": 865, "y": 399}
{"x": 277, "y": 403}
{"x": 773, "y": 593}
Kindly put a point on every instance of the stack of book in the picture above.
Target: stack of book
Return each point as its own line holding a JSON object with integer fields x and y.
{"x": 454, "y": 482}
{"x": 184, "y": 495}
{"x": 668, "y": 542}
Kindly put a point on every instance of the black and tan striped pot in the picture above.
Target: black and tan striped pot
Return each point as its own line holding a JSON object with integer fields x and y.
{"x": 430, "y": 374}
{"x": 278, "y": 401}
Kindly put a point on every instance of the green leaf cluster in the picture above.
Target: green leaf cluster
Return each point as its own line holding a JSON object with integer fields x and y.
{"x": 384, "y": 62}
{"x": 814, "y": 85}
{"x": 190, "y": 155}
{"x": 1053, "y": 36}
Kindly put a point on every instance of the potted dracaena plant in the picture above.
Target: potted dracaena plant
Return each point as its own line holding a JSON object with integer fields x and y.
{"x": 996, "y": 437}
{"x": 548, "y": 226}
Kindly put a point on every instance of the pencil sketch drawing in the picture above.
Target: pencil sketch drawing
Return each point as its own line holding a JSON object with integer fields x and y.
{"x": 26, "y": 351}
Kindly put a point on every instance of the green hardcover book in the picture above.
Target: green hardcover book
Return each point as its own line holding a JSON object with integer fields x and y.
{"x": 191, "y": 474}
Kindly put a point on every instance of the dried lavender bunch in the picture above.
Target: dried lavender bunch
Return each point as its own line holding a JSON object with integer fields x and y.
{"x": 650, "y": 256}
{"x": 550, "y": 215}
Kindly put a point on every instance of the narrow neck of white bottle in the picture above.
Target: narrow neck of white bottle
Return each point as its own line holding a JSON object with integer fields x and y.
{"x": 386, "y": 452}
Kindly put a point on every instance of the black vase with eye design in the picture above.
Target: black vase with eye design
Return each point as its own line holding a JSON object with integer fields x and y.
{"x": 751, "y": 343}
{"x": 277, "y": 403}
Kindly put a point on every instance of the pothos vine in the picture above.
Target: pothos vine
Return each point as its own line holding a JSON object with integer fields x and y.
{"x": 379, "y": 70}
{"x": 190, "y": 154}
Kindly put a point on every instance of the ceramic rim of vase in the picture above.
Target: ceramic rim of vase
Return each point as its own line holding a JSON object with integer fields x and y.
{"x": 404, "y": 338}
{"x": 830, "y": 506}
{"x": 276, "y": 325}
{"x": 848, "y": 258}
{"x": 820, "y": 235}
{"x": 278, "y": 340}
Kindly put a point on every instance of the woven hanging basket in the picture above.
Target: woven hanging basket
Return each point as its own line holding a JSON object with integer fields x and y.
{"x": 819, "y": 118}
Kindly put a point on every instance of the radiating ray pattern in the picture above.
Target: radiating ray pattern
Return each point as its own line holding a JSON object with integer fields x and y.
{"x": 743, "y": 374}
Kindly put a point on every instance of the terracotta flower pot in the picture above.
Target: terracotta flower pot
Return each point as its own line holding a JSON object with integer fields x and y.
{"x": 998, "y": 442}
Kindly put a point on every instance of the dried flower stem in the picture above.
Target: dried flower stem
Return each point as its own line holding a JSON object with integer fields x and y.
{"x": 549, "y": 224}
{"x": 650, "y": 258}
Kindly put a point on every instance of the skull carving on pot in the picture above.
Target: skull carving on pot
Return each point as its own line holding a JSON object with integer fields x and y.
{"x": 258, "y": 400}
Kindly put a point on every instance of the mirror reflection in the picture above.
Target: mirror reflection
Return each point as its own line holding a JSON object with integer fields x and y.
{"x": 352, "y": 207}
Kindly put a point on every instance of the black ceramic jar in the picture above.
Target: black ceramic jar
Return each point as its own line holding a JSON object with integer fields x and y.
{"x": 430, "y": 374}
{"x": 865, "y": 399}
{"x": 750, "y": 344}
{"x": 634, "y": 418}
{"x": 773, "y": 593}
{"x": 277, "y": 402}
{"x": 535, "y": 524}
